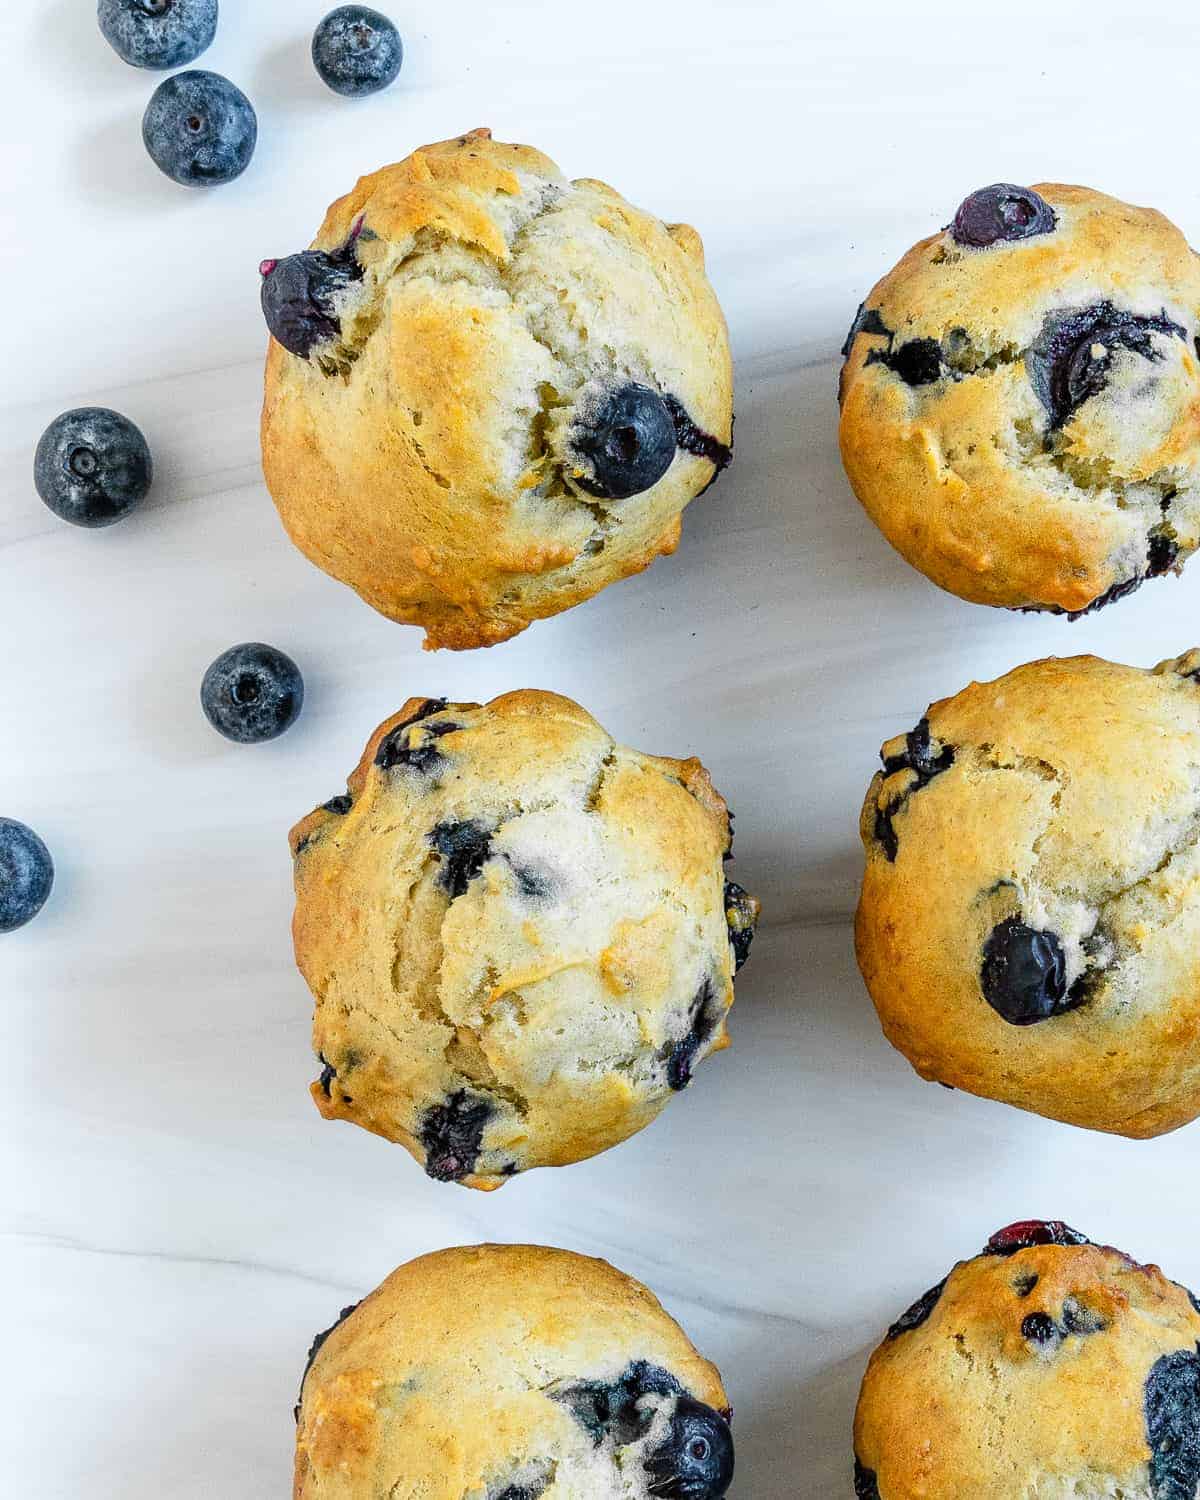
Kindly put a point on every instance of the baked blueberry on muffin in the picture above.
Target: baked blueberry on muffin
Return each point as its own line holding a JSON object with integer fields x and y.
{"x": 510, "y": 1372}
{"x": 490, "y": 391}
{"x": 518, "y": 933}
{"x": 1021, "y": 400}
{"x": 1029, "y": 923}
{"x": 1046, "y": 1366}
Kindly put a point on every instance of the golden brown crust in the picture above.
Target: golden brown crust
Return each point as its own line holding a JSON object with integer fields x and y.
{"x": 561, "y": 984}
{"x": 965, "y": 477}
{"x": 1070, "y": 805}
{"x": 967, "y": 1403}
{"x": 424, "y": 458}
{"x": 442, "y": 1383}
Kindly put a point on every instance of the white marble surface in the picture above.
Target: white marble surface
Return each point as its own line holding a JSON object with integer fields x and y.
{"x": 177, "y": 1221}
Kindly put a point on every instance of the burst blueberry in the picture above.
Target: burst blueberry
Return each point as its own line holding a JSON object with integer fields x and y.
{"x": 1070, "y": 360}
{"x": 200, "y": 129}
{"x": 252, "y": 693}
{"x": 1002, "y": 212}
{"x": 92, "y": 466}
{"x": 357, "y": 51}
{"x": 158, "y": 33}
{"x": 300, "y": 294}
{"x": 626, "y": 441}
{"x": 26, "y": 874}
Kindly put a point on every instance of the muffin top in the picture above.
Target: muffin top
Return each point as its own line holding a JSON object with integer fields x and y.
{"x": 510, "y": 1372}
{"x": 1045, "y": 1366}
{"x": 1021, "y": 413}
{"x": 519, "y": 935}
{"x": 1029, "y": 923}
{"x": 491, "y": 391}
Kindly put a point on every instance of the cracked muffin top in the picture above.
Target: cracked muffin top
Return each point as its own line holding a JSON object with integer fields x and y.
{"x": 1029, "y": 922}
{"x": 490, "y": 391}
{"x": 1046, "y": 1366}
{"x": 1021, "y": 400}
{"x": 510, "y": 1372}
{"x": 519, "y": 935}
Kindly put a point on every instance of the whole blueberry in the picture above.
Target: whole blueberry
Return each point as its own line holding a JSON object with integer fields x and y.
{"x": 92, "y": 466}
{"x": 1002, "y": 211}
{"x": 695, "y": 1459}
{"x": 158, "y": 33}
{"x": 26, "y": 874}
{"x": 252, "y": 693}
{"x": 200, "y": 129}
{"x": 1040, "y": 1328}
{"x": 357, "y": 51}
{"x": 299, "y": 294}
{"x": 626, "y": 440}
{"x": 1024, "y": 973}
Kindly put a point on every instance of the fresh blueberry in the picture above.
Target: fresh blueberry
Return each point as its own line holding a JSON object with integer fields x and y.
{"x": 1040, "y": 1328}
{"x": 741, "y": 917}
{"x": 92, "y": 466}
{"x": 200, "y": 129}
{"x": 695, "y": 1459}
{"x": 452, "y": 1135}
{"x": 357, "y": 51}
{"x": 158, "y": 33}
{"x": 300, "y": 293}
{"x": 1001, "y": 212}
{"x": 1024, "y": 975}
{"x": 1026, "y": 1233}
{"x": 26, "y": 874}
{"x": 626, "y": 440}
{"x": 919, "y": 1312}
{"x": 1069, "y": 361}
{"x": 1172, "y": 1412}
{"x": 252, "y": 693}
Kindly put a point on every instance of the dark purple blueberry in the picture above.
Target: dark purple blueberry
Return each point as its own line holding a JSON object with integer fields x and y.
{"x": 1024, "y": 975}
{"x": 1069, "y": 361}
{"x": 609, "y": 1408}
{"x": 695, "y": 440}
{"x": 464, "y": 849}
{"x": 1002, "y": 212}
{"x": 252, "y": 693}
{"x": 705, "y": 1017}
{"x": 1040, "y": 1328}
{"x": 1162, "y": 554}
{"x": 357, "y": 51}
{"x": 328, "y": 1074}
{"x": 694, "y": 1461}
{"x": 200, "y": 129}
{"x": 741, "y": 917}
{"x": 920, "y": 757}
{"x": 452, "y": 1135}
{"x": 158, "y": 33}
{"x": 1026, "y": 1233}
{"x": 396, "y": 750}
{"x": 625, "y": 440}
{"x": 1172, "y": 1408}
{"x": 315, "y": 1348}
{"x": 919, "y": 1312}
{"x": 918, "y": 362}
{"x": 866, "y": 1486}
{"x": 300, "y": 293}
{"x": 26, "y": 874}
{"x": 92, "y": 466}
{"x": 866, "y": 320}
{"x": 339, "y": 805}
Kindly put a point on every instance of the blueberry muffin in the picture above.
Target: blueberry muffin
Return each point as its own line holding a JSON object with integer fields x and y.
{"x": 1021, "y": 400}
{"x": 1029, "y": 923}
{"x": 519, "y": 935}
{"x": 1045, "y": 1367}
{"x": 510, "y": 1372}
{"x": 490, "y": 391}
